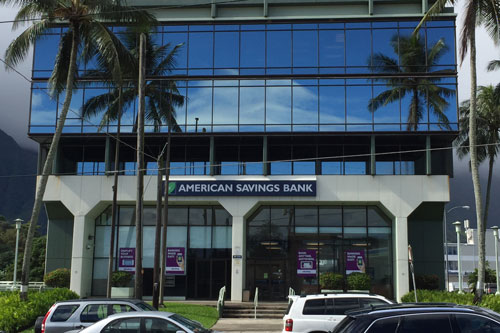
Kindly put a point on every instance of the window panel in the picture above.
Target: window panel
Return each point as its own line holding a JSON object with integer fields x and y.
{"x": 200, "y": 50}
{"x": 447, "y": 35}
{"x": 332, "y": 104}
{"x": 305, "y": 48}
{"x": 226, "y": 50}
{"x": 253, "y": 49}
{"x": 43, "y": 108}
{"x": 225, "y": 106}
{"x": 279, "y": 49}
{"x": 199, "y": 105}
{"x": 278, "y": 105}
{"x": 252, "y": 103}
{"x": 200, "y": 237}
{"x": 386, "y": 114}
{"x": 382, "y": 45}
{"x": 181, "y": 56}
{"x": 176, "y": 236}
{"x": 46, "y": 49}
{"x": 305, "y": 105}
{"x": 357, "y": 100}
{"x": 358, "y": 48}
{"x": 331, "y": 48}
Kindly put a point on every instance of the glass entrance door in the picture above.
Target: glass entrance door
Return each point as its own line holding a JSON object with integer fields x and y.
{"x": 209, "y": 276}
{"x": 270, "y": 277}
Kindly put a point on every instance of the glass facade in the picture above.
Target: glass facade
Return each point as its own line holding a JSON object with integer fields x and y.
{"x": 275, "y": 234}
{"x": 311, "y": 77}
{"x": 203, "y": 231}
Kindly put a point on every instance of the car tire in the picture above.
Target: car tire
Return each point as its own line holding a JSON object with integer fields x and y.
{"x": 38, "y": 324}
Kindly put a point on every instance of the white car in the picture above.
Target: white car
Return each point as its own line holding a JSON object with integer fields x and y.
{"x": 322, "y": 312}
{"x": 149, "y": 322}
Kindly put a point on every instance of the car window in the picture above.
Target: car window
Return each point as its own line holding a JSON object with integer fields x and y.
{"x": 428, "y": 323}
{"x": 156, "y": 325}
{"x": 369, "y": 302}
{"x": 289, "y": 307}
{"x": 145, "y": 306}
{"x": 314, "y": 307}
{"x": 341, "y": 305}
{"x": 119, "y": 308}
{"x": 94, "y": 312}
{"x": 63, "y": 312}
{"x": 345, "y": 325}
{"x": 128, "y": 325}
{"x": 190, "y": 324}
{"x": 476, "y": 324}
{"x": 386, "y": 325}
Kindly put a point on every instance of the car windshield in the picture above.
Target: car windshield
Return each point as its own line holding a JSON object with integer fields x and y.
{"x": 145, "y": 306}
{"x": 344, "y": 324}
{"x": 191, "y": 324}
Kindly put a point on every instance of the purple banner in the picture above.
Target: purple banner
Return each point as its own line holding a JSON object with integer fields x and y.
{"x": 355, "y": 261}
{"x": 126, "y": 259}
{"x": 306, "y": 263}
{"x": 176, "y": 261}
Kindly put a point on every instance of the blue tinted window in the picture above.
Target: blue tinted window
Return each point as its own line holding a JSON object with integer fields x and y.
{"x": 43, "y": 108}
{"x": 281, "y": 168}
{"x": 176, "y": 39}
{"x": 225, "y": 105}
{"x": 389, "y": 113}
{"x": 201, "y": 50}
{"x": 199, "y": 107}
{"x": 253, "y": 49}
{"x": 305, "y": 105}
{"x": 279, "y": 49}
{"x": 358, "y": 47}
{"x": 252, "y": 105}
{"x": 226, "y": 50}
{"x": 357, "y": 99}
{"x": 278, "y": 105}
{"x": 331, "y": 48}
{"x": 446, "y": 35}
{"x": 382, "y": 44}
{"x": 305, "y": 48}
{"x": 46, "y": 49}
{"x": 332, "y": 104}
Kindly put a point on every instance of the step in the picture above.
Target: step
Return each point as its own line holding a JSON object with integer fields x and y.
{"x": 251, "y": 315}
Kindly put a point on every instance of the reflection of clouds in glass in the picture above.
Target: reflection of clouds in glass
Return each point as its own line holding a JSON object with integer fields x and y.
{"x": 225, "y": 105}
{"x": 278, "y": 105}
{"x": 43, "y": 109}
{"x": 305, "y": 105}
{"x": 199, "y": 105}
{"x": 252, "y": 105}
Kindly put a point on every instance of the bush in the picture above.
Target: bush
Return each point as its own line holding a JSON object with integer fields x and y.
{"x": 358, "y": 281}
{"x": 331, "y": 280}
{"x": 489, "y": 277}
{"x": 121, "y": 279}
{"x": 58, "y": 278}
{"x": 427, "y": 282}
{"x": 438, "y": 296}
{"x": 17, "y": 316}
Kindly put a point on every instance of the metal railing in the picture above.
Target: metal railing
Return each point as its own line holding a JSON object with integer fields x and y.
{"x": 220, "y": 301}
{"x": 291, "y": 292}
{"x": 256, "y": 301}
{"x": 10, "y": 285}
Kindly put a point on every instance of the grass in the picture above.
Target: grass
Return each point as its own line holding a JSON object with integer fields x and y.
{"x": 206, "y": 315}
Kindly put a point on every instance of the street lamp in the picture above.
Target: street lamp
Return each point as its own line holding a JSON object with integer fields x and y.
{"x": 18, "y": 227}
{"x": 458, "y": 227}
{"x": 495, "y": 235}
{"x": 446, "y": 240}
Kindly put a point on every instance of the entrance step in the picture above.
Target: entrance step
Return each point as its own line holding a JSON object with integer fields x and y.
{"x": 270, "y": 310}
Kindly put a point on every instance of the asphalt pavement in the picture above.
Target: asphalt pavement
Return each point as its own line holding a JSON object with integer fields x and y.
{"x": 243, "y": 325}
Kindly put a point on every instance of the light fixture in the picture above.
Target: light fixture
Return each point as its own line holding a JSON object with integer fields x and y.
{"x": 315, "y": 243}
{"x": 273, "y": 248}
{"x": 360, "y": 244}
{"x": 268, "y": 243}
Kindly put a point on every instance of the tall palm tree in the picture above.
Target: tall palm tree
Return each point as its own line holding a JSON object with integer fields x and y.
{"x": 424, "y": 91}
{"x": 486, "y": 13}
{"x": 86, "y": 31}
{"x": 488, "y": 133}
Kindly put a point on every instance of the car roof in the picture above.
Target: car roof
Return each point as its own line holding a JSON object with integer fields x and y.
{"x": 339, "y": 294}
{"x": 97, "y": 300}
{"x": 157, "y": 314}
{"x": 409, "y": 308}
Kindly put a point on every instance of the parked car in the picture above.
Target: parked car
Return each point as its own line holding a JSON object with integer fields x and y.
{"x": 80, "y": 313}
{"x": 319, "y": 313}
{"x": 428, "y": 318}
{"x": 490, "y": 288}
{"x": 147, "y": 322}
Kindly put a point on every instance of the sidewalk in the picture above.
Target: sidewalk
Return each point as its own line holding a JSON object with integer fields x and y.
{"x": 242, "y": 325}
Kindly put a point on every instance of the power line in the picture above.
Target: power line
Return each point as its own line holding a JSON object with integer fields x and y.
{"x": 336, "y": 157}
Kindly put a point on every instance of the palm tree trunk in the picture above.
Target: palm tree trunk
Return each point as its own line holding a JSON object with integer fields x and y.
{"x": 488, "y": 190}
{"x": 114, "y": 207}
{"x": 475, "y": 166}
{"x": 156, "y": 268}
{"x": 140, "y": 170}
{"x": 47, "y": 168}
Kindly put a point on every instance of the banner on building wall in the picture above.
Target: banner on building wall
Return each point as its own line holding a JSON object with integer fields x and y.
{"x": 126, "y": 259}
{"x": 355, "y": 261}
{"x": 306, "y": 263}
{"x": 242, "y": 188}
{"x": 175, "y": 261}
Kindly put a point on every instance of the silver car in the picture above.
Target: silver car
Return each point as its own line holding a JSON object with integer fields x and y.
{"x": 80, "y": 313}
{"x": 149, "y": 322}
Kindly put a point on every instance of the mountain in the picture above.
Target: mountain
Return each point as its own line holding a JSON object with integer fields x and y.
{"x": 17, "y": 181}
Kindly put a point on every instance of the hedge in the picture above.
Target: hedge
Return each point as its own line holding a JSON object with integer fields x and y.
{"x": 434, "y": 296}
{"x": 58, "y": 278}
{"x": 16, "y": 316}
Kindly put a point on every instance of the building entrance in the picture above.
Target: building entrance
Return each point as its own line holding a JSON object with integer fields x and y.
{"x": 207, "y": 276}
{"x": 270, "y": 277}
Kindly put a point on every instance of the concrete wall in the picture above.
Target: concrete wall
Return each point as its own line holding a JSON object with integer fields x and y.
{"x": 87, "y": 196}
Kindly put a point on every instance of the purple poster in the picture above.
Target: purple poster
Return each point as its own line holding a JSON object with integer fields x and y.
{"x": 355, "y": 261}
{"x": 126, "y": 259}
{"x": 306, "y": 263}
{"x": 176, "y": 261}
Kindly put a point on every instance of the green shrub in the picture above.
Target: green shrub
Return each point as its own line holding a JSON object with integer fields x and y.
{"x": 358, "y": 281}
{"x": 58, "y": 278}
{"x": 331, "y": 280}
{"x": 489, "y": 277}
{"x": 121, "y": 279}
{"x": 427, "y": 282}
{"x": 438, "y": 296}
{"x": 17, "y": 316}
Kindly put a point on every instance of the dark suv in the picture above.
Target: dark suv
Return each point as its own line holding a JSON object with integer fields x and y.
{"x": 420, "y": 317}
{"x": 80, "y": 313}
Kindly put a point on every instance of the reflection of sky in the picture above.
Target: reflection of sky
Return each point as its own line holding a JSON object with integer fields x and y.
{"x": 43, "y": 109}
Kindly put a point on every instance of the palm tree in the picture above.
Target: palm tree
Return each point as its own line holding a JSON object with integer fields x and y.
{"x": 477, "y": 12}
{"x": 424, "y": 91}
{"x": 86, "y": 31}
{"x": 488, "y": 135}
{"x": 162, "y": 96}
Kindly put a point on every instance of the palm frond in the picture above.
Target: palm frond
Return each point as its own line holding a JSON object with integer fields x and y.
{"x": 59, "y": 76}
{"x": 434, "y": 10}
{"x": 489, "y": 17}
{"x": 468, "y": 28}
{"x": 19, "y": 48}
{"x": 383, "y": 99}
{"x": 493, "y": 65}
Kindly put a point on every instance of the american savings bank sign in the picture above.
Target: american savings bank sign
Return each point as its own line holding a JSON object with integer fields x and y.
{"x": 242, "y": 188}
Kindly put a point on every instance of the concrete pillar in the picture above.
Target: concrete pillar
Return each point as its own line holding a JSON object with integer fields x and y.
{"x": 238, "y": 261}
{"x": 401, "y": 270}
{"x": 82, "y": 254}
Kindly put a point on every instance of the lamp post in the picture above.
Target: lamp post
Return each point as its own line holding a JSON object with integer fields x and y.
{"x": 495, "y": 235}
{"x": 18, "y": 227}
{"x": 458, "y": 227}
{"x": 446, "y": 240}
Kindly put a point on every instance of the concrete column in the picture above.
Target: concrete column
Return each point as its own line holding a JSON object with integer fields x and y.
{"x": 238, "y": 261}
{"x": 401, "y": 271}
{"x": 82, "y": 254}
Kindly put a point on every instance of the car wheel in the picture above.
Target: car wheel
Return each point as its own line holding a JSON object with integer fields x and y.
{"x": 38, "y": 324}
